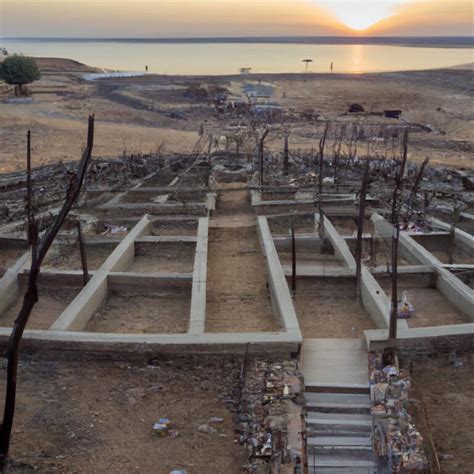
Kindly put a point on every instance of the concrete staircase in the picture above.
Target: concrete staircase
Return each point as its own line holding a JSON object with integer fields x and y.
{"x": 339, "y": 429}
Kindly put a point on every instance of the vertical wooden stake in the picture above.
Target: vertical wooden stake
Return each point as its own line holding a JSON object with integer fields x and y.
{"x": 293, "y": 260}
{"x": 82, "y": 248}
{"x": 28, "y": 187}
{"x": 360, "y": 230}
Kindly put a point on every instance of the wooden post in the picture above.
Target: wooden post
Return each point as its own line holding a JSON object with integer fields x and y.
{"x": 260, "y": 156}
{"x": 293, "y": 260}
{"x": 360, "y": 230}
{"x": 286, "y": 153}
{"x": 82, "y": 248}
{"x": 395, "y": 239}
{"x": 28, "y": 188}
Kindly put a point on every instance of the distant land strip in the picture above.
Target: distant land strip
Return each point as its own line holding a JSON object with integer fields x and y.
{"x": 413, "y": 41}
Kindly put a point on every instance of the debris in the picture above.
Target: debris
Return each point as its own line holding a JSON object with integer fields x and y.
{"x": 216, "y": 419}
{"x": 207, "y": 428}
{"x": 163, "y": 428}
{"x": 355, "y": 109}
{"x": 392, "y": 113}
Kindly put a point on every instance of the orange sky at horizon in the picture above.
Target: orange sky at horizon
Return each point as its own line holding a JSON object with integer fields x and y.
{"x": 188, "y": 18}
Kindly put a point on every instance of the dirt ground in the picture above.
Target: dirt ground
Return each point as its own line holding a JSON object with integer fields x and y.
{"x": 169, "y": 257}
{"x": 81, "y": 417}
{"x": 432, "y": 308}
{"x": 238, "y": 299}
{"x": 70, "y": 258}
{"x": 328, "y": 308}
{"x": 143, "y": 114}
{"x": 127, "y": 312}
{"x": 447, "y": 394}
{"x": 8, "y": 258}
{"x": 52, "y": 302}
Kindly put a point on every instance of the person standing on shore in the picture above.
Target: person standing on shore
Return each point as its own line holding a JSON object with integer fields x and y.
{"x": 332, "y": 67}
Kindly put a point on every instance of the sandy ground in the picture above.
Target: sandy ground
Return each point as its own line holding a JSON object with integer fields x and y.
{"x": 89, "y": 417}
{"x": 52, "y": 302}
{"x": 328, "y": 308}
{"x": 148, "y": 113}
{"x": 432, "y": 308}
{"x": 160, "y": 257}
{"x": 8, "y": 258}
{"x": 127, "y": 312}
{"x": 238, "y": 299}
{"x": 447, "y": 394}
{"x": 70, "y": 258}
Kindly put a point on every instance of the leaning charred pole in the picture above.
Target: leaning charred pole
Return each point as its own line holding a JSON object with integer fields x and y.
{"x": 395, "y": 239}
{"x": 38, "y": 253}
{"x": 260, "y": 156}
{"x": 322, "y": 144}
{"x": 286, "y": 156}
{"x": 360, "y": 230}
{"x": 29, "y": 192}
{"x": 416, "y": 185}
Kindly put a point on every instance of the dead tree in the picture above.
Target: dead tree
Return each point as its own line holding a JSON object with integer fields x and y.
{"x": 286, "y": 156}
{"x": 82, "y": 249}
{"x": 452, "y": 233}
{"x": 39, "y": 250}
{"x": 360, "y": 229}
{"x": 322, "y": 144}
{"x": 260, "y": 155}
{"x": 395, "y": 239}
{"x": 416, "y": 185}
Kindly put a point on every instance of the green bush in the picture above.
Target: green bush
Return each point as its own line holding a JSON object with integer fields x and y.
{"x": 19, "y": 70}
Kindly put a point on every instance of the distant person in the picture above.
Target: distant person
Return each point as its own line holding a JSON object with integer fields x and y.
{"x": 332, "y": 67}
{"x": 146, "y": 68}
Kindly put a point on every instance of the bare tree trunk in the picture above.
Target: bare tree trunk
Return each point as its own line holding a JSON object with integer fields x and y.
{"x": 416, "y": 185}
{"x": 293, "y": 260}
{"x": 260, "y": 155}
{"x": 29, "y": 189}
{"x": 322, "y": 144}
{"x": 286, "y": 157}
{"x": 31, "y": 297}
{"x": 82, "y": 248}
{"x": 395, "y": 239}
{"x": 360, "y": 230}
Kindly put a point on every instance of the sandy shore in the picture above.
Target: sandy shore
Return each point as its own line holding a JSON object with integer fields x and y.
{"x": 142, "y": 114}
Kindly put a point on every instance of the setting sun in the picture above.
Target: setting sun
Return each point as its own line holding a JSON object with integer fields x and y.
{"x": 361, "y": 14}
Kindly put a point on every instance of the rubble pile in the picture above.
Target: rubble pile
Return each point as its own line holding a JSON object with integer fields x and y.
{"x": 397, "y": 443}
{"x": 271, "y": 417}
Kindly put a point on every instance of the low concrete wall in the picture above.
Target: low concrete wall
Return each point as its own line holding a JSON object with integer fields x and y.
{"x": 125, "y": 346}
{"x": 9, "y": 283}
{"x": 462, "y": 239}
{"x": 76, "y": 316}
{"x": 454, "y": 290}
{"x": 197, "y": 318}
{"x": 425, "y": 341}
{"x": 279, "y": 291}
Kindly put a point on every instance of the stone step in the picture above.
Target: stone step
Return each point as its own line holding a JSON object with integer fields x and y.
{"x": 316, "y": 430}
{"x": 341, "y": 419}
{"x": 335, "y": 442}
{"x": 341, "y": 470}
{"x": 329, "y": 461}
{"x": 346, "y": 398}
{"x": 355, "y": 388}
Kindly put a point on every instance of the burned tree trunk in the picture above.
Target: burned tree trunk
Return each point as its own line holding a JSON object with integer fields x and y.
{"x": 395, "y": 239}
{"x": 38, "y": 253}
{"x": 360, "y": 230}
{"x": 260, "y": 156}
{"x": 286, "y": 156}
{"x": 322, "y": 144}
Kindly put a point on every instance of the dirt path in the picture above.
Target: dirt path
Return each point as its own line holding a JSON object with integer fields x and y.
{"x": 237, "y": 294}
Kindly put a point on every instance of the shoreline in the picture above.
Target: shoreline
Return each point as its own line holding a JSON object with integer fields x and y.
{"x": 449, "y": 42}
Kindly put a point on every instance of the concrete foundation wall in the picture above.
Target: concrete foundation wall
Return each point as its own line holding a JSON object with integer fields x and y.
{"x": 76, "y": 316}
{"x": 9, "y": 283}
{"x": 279, "y": 291}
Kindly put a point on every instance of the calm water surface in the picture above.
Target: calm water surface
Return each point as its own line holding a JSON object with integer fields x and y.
{"x": 224, "y": 58}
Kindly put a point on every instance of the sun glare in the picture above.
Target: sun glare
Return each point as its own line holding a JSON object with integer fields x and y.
{"x": 360, "y": 15}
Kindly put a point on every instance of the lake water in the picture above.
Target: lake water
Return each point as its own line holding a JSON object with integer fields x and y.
{"x": 228, "y": 58}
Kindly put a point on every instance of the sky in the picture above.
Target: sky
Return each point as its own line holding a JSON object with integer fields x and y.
{"x": 201, "y": 18}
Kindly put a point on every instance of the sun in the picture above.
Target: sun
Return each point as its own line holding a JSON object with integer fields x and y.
{"x": 360, "y": 15}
